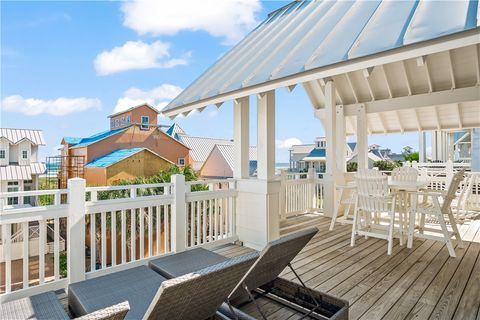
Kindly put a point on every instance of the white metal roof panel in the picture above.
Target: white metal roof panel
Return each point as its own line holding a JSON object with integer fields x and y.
{"x": 16, "y": 172}
{"x": 307, "y": 35}
{"x": 228, "y": 152}
{"x": 17, "y": 135}
{"x": 200, "y": 147}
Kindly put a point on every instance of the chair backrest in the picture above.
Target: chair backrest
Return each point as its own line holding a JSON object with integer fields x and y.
{"x": 273, "y": 259}
{"x": 115, "y": 312}
{"x": 452, "y": 189}
{"x": 408, "y": 174}
{"x": 198, "y": 295}
{"x": 372, "y": 190}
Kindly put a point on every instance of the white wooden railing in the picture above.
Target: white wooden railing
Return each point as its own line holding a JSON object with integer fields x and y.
{"x": 300, "y": 193}
{"x": 122, "y": 227}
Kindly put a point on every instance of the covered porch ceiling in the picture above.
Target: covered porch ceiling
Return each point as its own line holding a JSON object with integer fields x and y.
{"x": 412, "y": 65}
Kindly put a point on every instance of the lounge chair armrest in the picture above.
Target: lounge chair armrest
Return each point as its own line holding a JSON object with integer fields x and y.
{"x": 115, "y": 312}
{"x": 428, "y": 193}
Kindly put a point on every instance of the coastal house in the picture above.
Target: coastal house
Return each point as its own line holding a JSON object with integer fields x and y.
{"x": 220, "y": 164}
{"x": 19, "y": 162}
{"x": 132, "y": 144}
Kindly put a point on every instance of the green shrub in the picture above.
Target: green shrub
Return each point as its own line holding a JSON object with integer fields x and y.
{"x": 63, "y": 265}
{"x": 385, "y": 165}
{"x": 414, "y": 156}
{"x": 352, "y": 167}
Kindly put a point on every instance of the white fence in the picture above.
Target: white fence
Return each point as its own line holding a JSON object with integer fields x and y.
{"x": 113, "y": 228}
{"x": 300, "y": 193}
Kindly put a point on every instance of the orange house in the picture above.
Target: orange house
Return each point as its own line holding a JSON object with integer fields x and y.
{"x": 136, "y": 127}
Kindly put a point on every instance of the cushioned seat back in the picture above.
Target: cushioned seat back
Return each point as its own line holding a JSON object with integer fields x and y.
{"x": 273, "y": 259}
{"x": 199, "y": 294}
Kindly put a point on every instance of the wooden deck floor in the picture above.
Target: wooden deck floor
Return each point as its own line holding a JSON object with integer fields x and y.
{"x": 418, "y": 283}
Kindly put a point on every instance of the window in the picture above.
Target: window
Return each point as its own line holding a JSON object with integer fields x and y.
{"x": 12, "y": 187}
{"x": 145, "y": 122}
{"x": 181, "y": 162}
{"x": 112, "y": 123}
{"x": 24, "y": 154}
{"x": 123, "y": 121}
{"x": 116, "y": 123}
{"x": 3, "y": 154}
{"x": 129, "y": 120}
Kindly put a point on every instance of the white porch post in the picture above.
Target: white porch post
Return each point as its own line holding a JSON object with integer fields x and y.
{"x": 422, "y": 152}
{"x": 334, "y": 129}
{"x": 258, "y": 210}
{"x": 362, "y": 138}
{"x": 241, "y": 138}
{"x": 76, "y": 230}
{"x": 341, "y": 139}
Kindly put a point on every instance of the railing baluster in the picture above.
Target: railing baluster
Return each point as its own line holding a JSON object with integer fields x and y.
{"x": 150, "y": 231}
{"x": 56, "y": 248}
{"x": 210, "y": 226}
{"x": 26, "y": 243}
{"x": 158, "y": 229}
{"x": 192, "y": 223}
{"x": 204, "y": 222}
{"x": 113, "y": 237}
{"x": 41, "y": 250}
{"x": 133, "y": 226}
{"x": 123, "y": 218}
{"x": 222, "y": 212}
{"x": 216, "y": 219}
{"x": 198, "y": 235}
{"x": 141, "y": 217}
{"x": 6, "y": 241}
{"x": 103, "y": 231}
{"x": 93, "y": 256}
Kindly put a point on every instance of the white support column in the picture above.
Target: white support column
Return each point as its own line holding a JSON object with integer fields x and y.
{"x": 241, "y": 113}
{"x": 362, "y": 138}
{"x": 76, "y": 230}
{"x": 258, "y": 201}
{"x": 422, "y": 147}
{"x": 331, "y": 175}
{"x": 341, "y": 139}
{"x": 266, "y": 135}
{"x": 178, "y": 222}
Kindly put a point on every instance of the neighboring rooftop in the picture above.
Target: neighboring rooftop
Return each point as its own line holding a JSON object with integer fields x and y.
{"x": 17, "y": 172}
{"x": 316, "y": 155}
{"x": 302, "y": 148}
{"x": 17, "y": 135}
{"x": 96, "y": 137}
{"x": 130, "y": 109}
{"x": 200, "y": 147}
{"x": 116, "y": 156}
{"x": 174, "y": 131}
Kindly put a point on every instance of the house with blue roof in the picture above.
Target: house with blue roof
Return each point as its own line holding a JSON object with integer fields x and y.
{"x": 133, "y": 134}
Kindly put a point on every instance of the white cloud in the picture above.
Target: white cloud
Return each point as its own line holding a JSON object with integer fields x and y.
{"x": 287, "y": 143}
{"x": 157, "y": 97}
{"x": 58, "y": 107}
{"x": 230, "y": 19}
{"x": 135, "y": 55}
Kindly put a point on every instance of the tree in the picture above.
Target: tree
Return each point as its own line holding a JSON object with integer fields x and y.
{"x": 385, "y": 165}
{"x": 352, "y": 167}
{"x": 414, "y": 156}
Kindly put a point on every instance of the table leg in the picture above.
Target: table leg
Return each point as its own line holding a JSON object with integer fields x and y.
{"x": 411, "y": 227}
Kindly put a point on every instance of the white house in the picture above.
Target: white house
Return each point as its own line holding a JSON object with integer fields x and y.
{"x": 220, "y": 162}
{"x": 19, "y": 163}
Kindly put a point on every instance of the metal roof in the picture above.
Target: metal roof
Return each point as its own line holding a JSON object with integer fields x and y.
{"x": 315, "y": 155}
{"x": 17, "y": 135}
{"x": 308, "y": 35}
{"x": 302, "y": 148}
{"x": 113, "y": 157}
{"x": 200, "y": 147}
{"x": 174, "y": 131}
{"x": 228, "y": 152}
{"x": 72, "y": 140}
{"x": 97, "y": 137}
{"x": 17, "y": 172}
{"x": 130, "y": 109}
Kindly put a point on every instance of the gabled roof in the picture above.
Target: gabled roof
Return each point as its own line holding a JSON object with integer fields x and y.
{"x": 302, "y": 148}
{"x": 306, "y": 36}
{"x": 17, "y": 172}
{"x": 97, "y": 137}
{"x": 352, "y": 145}
{"x": 17, "y": 135}
{"x": 315, "y": 155}
{"x": 71, "y": 140}
{"x": 130, "y": 109}
{"x": 116, "y": 156}
{"x": 174, "y": 131}
{"x": 200, "y": 147}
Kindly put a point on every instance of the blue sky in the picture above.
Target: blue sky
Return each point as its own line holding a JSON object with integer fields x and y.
{"x": 65, "y": 66}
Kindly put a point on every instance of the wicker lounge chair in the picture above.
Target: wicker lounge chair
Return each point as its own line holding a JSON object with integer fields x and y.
{"x": 195, "y": 295}
{"x": 273, "y": 259}
{"x": 46, "y": 306}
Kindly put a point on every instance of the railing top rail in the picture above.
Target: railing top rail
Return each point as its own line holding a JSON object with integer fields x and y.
{"x": 189, "y": 183}
{"x": 128, "y": 187}
{"x": 33, "y": 193}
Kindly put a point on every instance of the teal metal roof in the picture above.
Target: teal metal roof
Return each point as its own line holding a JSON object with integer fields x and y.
{"x": 307, "y": 35}
{"x": 113, "y": 157}
{"x": 317, "y": 153}
{"x": 97, "y": 137}
{"x": 71, "y": 140}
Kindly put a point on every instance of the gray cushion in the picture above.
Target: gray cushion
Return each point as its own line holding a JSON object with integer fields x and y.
{"x": 40, "y": 306}
{"x": 138, "y": 286}
{"x": 182, "y": 263}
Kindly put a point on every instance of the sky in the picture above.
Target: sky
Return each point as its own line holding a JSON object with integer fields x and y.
{"x": 67, "y": 65}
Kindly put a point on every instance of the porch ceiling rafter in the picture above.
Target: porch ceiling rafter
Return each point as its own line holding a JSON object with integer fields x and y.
{"x": 459, "y": 116}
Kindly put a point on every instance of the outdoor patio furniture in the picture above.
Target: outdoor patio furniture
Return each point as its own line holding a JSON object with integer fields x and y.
{"x": 374, "y": 197}
{"x": 195, "y": 295}
{"x": 346, "y": 197}
{"x": 46, "y": 306}
{"x": 273, "y": 259}
{"x": 438, "y": 205}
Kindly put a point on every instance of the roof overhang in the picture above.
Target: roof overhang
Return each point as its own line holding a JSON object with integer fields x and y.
{"x": 310, "y": 77}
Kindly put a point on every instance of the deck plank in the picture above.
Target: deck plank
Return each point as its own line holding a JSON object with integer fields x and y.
{"x": 469, "y": 304}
